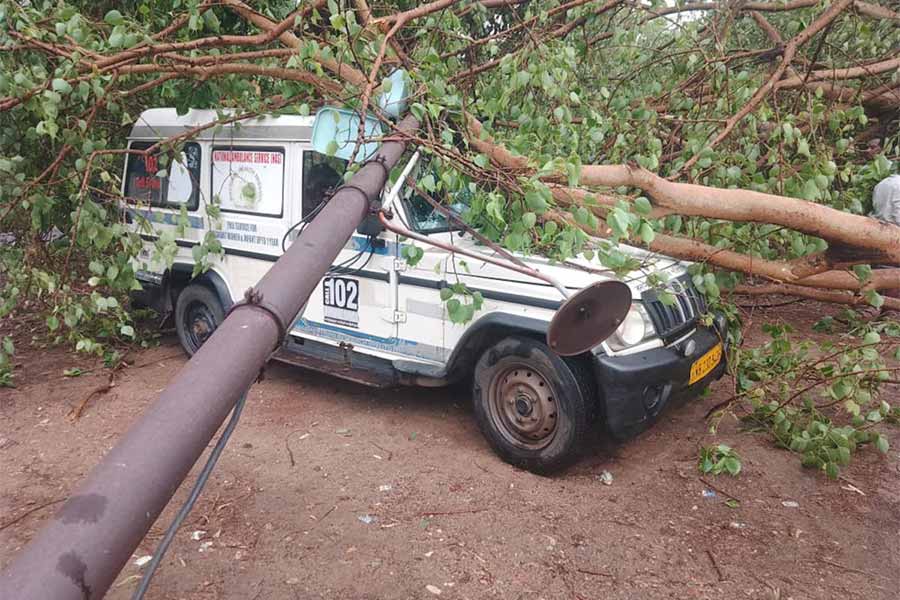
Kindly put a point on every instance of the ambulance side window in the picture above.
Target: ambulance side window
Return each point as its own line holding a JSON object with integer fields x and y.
{"x": 321, "y": 176}
{"x": 249, "y": 179}
{"x": 181, "y": 185}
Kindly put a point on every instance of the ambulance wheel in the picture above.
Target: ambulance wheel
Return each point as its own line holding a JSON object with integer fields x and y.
{"x": 198, "y": 311}
{"x": 531, "y": 405}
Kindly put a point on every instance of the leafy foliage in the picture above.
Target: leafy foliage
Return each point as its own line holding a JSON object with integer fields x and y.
{"x": 555, "y": 88}
{"x": 822, "y": 401}
{"x": 7, "y": 351}
{"x": 719, "y": 459}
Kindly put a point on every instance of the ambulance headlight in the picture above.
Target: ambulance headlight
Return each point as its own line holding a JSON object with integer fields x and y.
{"x": 635, "y": 328}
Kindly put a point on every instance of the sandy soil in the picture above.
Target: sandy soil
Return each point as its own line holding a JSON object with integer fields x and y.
{"x": 331, "y": 490}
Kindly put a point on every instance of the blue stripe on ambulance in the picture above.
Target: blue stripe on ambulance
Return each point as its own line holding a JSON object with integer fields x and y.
{"x": 167, "y": 218}
{"x": 382, "y": 248}
{"x": 395, "y": 345}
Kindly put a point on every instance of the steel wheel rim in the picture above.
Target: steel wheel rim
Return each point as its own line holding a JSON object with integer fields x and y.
{"x": 523, "y": 407}
{"x": 199, "y": 324}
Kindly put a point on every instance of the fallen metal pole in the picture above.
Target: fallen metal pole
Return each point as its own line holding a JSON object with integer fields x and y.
{"x": 80, "y": 551}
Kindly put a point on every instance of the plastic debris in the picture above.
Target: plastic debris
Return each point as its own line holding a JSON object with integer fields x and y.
{"x": 429, "y": 553}
{"x": 343, "y": 432}
{"x": 367, "y": 519}
{"x": 197, "y": 535}
{"x": 606, "y": 478}
{"x": 52, "y": 235}
{"x": 790, "y": 504}
{"x": 708, "y": 493}
{"x": 434, "y": 589}
{"x": 143, "y": 560}
{"x": 385, "y": 488}
{"x": 205, "y": 546}
{"x": 737, "y": 525}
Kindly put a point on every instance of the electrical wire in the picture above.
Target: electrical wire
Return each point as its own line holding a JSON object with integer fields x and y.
{"x": 191, "y": 500}
{"x": 346, "y": 267}
{"x": 302, "y": 223}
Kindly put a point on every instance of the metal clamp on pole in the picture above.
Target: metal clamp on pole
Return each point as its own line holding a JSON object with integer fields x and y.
{"x": 254, "y": 299}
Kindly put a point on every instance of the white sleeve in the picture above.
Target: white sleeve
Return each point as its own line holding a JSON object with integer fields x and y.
{"x": 886, "y": 200}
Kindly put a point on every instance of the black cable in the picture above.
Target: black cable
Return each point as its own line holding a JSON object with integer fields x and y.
{"x": 368, "y": 258}
{"x": 192, "y": 498}
{"x": 345, "y": 267}
{"x": 302, "y": 223}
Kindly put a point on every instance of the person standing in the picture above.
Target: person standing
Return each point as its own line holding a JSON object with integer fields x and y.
{"x": 886, "y": 207}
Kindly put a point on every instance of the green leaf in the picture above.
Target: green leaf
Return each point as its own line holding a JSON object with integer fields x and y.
{"x": 874, "y": 298}
{"x": 61, "y": 85}
{"x": 733, "y": 465}
{"x": 114, "y": 17}
{"x": 52, "y": 322}
{"x": 582, "y": 215}
{"x": 862, "y": 272}
{"x": 871, "y": 337}
{"x": 127, "y": 330}
{"x": 446, "y": 294}
{"x": 642, "y": 206}
{"x": 882, "y": 444}
{"x": 338, "y": 21}
{"x": 832, "y": 470}
{"x": 667, "y": 298}
{"x": 529, "y": 219}
{"x": 535, "y": 202}
{"x": 646, "y": 233}
{"x": 618, "y": 221}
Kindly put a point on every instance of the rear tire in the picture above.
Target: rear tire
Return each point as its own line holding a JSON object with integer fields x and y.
{"x": 198, "y": 312}
{"x": 530, "y": 405}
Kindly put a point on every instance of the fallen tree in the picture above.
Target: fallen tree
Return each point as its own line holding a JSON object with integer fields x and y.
{"x": 744, "y": 137}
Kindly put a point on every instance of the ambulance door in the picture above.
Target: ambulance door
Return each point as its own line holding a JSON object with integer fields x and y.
{"x": 248, "y": 184}
{"x": 352, "y": 303}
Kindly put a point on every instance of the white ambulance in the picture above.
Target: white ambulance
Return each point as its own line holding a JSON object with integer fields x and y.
{"x": 377, "y": 320}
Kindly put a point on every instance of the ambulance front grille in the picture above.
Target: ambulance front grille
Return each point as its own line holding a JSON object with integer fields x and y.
{"x": 675, "y": 320}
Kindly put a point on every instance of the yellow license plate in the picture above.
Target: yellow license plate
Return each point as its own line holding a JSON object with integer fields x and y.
{"x": 706, "y": 363}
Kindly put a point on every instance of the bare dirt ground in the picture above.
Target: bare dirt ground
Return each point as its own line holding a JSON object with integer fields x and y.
{"x": 331, "y": 490}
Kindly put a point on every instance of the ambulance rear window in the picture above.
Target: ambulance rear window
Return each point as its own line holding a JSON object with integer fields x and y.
{"x": 179, "y": 187}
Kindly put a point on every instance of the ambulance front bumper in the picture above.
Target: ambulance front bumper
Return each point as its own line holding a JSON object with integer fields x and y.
{"x": 634, "y": 389}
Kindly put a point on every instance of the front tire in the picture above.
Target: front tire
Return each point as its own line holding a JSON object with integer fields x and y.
{"x": 530, "y": 406}
{"x": 198, "y": 312}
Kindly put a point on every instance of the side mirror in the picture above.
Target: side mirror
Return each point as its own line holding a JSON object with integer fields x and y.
{"x": 336, "y": 131}
{"x": 394, "y": 99}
